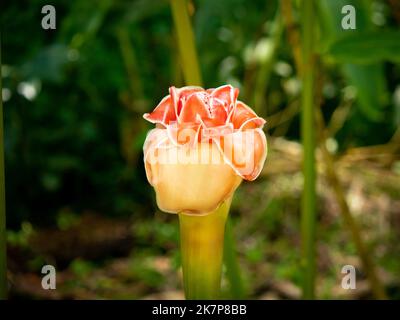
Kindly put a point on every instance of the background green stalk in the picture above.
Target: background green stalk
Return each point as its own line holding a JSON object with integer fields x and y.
{"x": 186, "y": 43}
{"x": 3, "y": 264}
{"x": 308, "y": 212}
{"x": 377, "y": 287}
{"x": 202, "y": 246}
{"x": 233, "y": 274}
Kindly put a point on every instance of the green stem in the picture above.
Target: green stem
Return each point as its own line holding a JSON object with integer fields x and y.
{"x": 266, "y": 66}
{"x": 308, "y": 207}
{"x": 192, "y": 75}
{"x": 186, "y": 43}
{"x": 131, "y": 65}
{"x": 202, "y": 246}
{"x": 3, "y": 257}
{"x": 368, "y": 264}
{"x": 238, "y": 289}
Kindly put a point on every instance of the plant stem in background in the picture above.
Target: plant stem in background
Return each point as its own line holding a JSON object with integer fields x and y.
{"x": 366, "y": 259}
{"x": 292, "y": 34}
{"x": 202, "y": 246}
{"x": 131, "y": 65}
{"x": 266, "y": 66}
{"x": 238, "y": 289}
{"x": 308, "y": 206}
{"x": 368, "y": 265}
{"x": 186, "y": 43}
{"x": 3, "y": 254}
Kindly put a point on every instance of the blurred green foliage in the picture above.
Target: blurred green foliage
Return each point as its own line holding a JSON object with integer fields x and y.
{"x": 75, "y": 95}
{"x": 74, "y": 99}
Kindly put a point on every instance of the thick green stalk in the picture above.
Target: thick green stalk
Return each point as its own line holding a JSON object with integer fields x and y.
{"x": 202, "y": 246}
{"x": 308, "y": 206}
{"x": 186, "y": 43}
{"x": 3, "y": 264}
{"x": 192, "y": 75}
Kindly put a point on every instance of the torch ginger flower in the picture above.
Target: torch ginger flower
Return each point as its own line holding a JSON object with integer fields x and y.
{"x": 205, "y": 142}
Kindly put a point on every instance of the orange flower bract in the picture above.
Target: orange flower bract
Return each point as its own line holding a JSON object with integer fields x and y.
{"x": 205, "y": 142}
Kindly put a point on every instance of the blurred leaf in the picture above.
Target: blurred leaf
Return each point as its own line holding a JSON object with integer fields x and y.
{"x": 255, "y": 253}
{"x": 371, "y": 88}
{"x": 21, "y": 237}
{"x": 50, "y": 181}
{"x": 368, "y": 79}
{"x": 81, "y": 267}
{"x": 367, "y": 47}
{"x": 47, "y": 64}
{"x": 330, "y": 18}
{"x": 62, "y": 162}
{"x": 144, "y": 270}
{"x": 142, "y": 9}
{"x": 66, "y": 219}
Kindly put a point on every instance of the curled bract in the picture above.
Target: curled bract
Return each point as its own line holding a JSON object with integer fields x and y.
{"x": 205, "y": 142}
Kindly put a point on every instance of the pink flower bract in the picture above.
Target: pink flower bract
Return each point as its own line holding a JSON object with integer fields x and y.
{"x": 208, "y": 128}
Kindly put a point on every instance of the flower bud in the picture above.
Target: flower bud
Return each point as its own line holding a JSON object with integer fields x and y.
{"x": 205, "y": 143}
